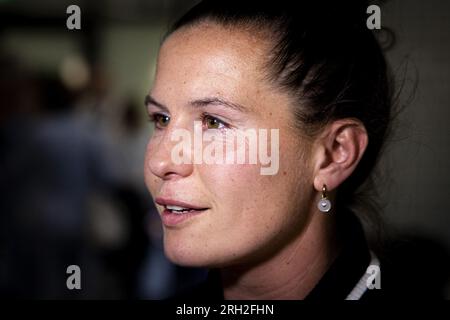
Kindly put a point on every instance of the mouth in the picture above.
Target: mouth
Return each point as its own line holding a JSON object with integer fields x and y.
{"x": 176, "y": 212}
{"x": 181, "y": 210}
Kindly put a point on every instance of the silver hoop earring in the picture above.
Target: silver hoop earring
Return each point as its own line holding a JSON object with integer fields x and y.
{"x": 324, "y": 204}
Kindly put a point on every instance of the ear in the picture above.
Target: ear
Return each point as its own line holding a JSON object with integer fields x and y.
{"x": 337, "y": 152}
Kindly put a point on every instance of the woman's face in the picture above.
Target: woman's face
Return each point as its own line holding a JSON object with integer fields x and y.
{"x": 235, "y": 214}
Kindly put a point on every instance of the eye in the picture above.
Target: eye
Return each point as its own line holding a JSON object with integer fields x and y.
{"x": 161, "y": 120}
{"x": 211, "y": 122}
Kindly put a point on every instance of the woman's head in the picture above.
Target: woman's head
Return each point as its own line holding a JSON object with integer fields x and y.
{"x": 319, "y": 81}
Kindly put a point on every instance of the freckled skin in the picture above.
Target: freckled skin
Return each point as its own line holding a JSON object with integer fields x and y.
{"x": 250, "y": 215}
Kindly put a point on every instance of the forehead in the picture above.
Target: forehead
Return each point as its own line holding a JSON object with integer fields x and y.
{"x": 231, "y": 45}
{"x": 211, "y": 58}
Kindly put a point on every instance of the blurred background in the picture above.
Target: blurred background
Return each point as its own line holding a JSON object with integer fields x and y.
{"x": 73, "y": 133}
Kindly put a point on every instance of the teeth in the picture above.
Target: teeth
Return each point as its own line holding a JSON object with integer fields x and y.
{"x": 176, "y": 208}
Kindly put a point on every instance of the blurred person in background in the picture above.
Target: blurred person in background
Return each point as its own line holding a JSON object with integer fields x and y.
{"x": 51, "y": 164}
{"x": 64, "y": 197}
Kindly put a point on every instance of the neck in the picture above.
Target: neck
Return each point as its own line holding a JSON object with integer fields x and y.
{"x": 293, "y": 272}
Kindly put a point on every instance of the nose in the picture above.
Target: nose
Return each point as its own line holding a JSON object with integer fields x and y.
{"x": 160, "y": 162}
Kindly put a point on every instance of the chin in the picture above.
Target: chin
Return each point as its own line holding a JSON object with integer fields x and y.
{"x": 193, "y": 255}
{"x": 185, "y": 254}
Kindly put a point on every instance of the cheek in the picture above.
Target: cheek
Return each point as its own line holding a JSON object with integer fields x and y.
{"x": 246, "y": 201}
{"x": 150, "y": 179}
{"x": 243, "y": 190}
{"x": 228, "y": 182}
{"x": 252, "y": 211}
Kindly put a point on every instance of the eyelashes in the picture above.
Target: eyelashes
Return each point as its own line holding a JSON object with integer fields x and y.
{"x": 159, "y": 120}
{"x": 209, "y": 122}
{"x": 212, "y": 122}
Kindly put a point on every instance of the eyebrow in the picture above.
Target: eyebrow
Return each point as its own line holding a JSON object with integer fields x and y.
{"x": 218, "y": 101}
{"x": 150, "y": 100}
{"x": 200, "y": 103}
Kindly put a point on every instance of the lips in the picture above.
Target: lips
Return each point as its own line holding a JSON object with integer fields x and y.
{"x": 177, "y": 205}
{"x": 176, "y": 211}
